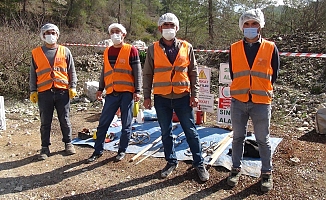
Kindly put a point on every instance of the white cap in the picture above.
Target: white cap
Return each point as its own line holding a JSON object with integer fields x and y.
{"x": 254, "y": 14}
{"x": 119, "y": 26}
{"x": 47, "y": 27}
{"x": 169, "y": 17}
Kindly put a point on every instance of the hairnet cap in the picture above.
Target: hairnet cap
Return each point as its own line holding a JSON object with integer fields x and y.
{"x": 47, "y": 27}
{"x": 119, "y": 26}
{"x": 169, "y": 17}
{"x": 254, "y": 14}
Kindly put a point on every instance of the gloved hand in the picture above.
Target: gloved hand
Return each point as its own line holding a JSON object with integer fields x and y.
{"x": 72, "y": 93}
{"x": 33, "y": 97}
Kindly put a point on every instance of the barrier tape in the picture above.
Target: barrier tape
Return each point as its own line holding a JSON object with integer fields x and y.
{"x": 313, "y": 55}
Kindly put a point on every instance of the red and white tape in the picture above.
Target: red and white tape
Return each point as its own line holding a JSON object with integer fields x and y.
{"x": 314, "y": 55}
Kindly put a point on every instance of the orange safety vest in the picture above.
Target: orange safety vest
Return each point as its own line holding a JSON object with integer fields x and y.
{"x": 119, "y": 78}
{"x": 47, "y": 75}
{"x": 256, "y": 80}
{"x": 164, "y": 82}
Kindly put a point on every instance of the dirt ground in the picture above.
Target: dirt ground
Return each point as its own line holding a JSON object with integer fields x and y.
{"x": 299, "y": 166}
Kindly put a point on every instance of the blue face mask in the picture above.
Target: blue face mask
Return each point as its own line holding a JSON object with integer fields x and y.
{"x": 250, "y": 33}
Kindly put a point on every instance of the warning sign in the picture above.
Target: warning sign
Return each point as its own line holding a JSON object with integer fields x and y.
{"x": 206, "y": 102}
{"x": 224, "y": 103}
{"x": 224, "y": 116}
{"x": 225, "y": 73}
{"x": 204, "y": 80}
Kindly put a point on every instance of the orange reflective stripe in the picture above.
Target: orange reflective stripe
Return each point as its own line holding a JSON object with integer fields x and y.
{"x": 166, "y": 69}
{"x": 181, "y": 69}
{"x": 123, "y": 71}
{"x": 44, "y": 83}
{"x": 237, "y": 92}
{"x": 262, "y": 93}
{"x": 262, "y": 75}
{"x": 47, "y": 70}
{"x": 60, "y": 69}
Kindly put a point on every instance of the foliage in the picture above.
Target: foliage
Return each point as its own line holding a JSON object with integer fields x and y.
{"x": 207, "y": 24}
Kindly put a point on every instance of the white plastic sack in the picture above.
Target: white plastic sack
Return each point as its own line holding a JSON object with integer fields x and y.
{"x": 2, "y": 114}
{"x": 321, "y": 121}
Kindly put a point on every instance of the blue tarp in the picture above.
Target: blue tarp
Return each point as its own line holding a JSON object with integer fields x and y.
{"x": 250, "y": 166}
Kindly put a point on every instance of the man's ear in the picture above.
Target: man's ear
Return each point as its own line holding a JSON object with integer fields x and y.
{"x": 159, "y": 28}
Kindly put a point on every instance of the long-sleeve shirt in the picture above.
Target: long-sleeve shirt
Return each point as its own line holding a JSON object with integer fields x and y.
{"x": 251, "y": 50}
{"x": 50, "y": 55}
{"x": 171, "y": 53}
{"x": 134, "y": 62}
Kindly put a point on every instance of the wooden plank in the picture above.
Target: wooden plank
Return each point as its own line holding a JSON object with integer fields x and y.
{"x": 145, "y": 149}
{"x": 152, "y": 153}
{"x": 223, "y": 144}
{"x": 161, "y": 147}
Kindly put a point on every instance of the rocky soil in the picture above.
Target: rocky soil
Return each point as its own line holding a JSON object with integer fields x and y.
{"x": 299, "y": 160}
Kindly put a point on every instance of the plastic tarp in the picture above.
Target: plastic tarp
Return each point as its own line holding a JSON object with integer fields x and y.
{"x": 250, "y": 166}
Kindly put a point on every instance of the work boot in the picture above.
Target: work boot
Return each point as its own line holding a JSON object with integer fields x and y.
{"x": 70, "y": 149}
{"x": 202, "y": 172}
{"x": 120, "y": 156}
{"x": 168, "y": 169}
{"x": 93, "y": 157}
{"x": 44, "y": 154}
{"x": 266, "y": 182}
{"x": 234, "y": 176}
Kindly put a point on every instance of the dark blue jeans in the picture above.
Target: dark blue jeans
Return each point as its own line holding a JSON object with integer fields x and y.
{"x": 114, "y": 101}
{"x": 47, "y": 102}
{"x": 164, "y": 110}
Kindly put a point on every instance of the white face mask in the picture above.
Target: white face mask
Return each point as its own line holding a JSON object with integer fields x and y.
{"x": 116, "y": 38}
{"x": 250, "y": 33}
{"x": 168, "y": 34}
{"x": 50, "y": 39}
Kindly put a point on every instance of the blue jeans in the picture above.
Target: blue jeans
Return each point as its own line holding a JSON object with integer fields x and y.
{"x": 114, "y": 101}
{"x": 164, "y": 110}
{"x": 47, "y": 101}
{"x": 260, "y": 115}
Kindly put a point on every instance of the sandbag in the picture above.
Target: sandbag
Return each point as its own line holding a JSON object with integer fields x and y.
{"x": 321, "y": 121}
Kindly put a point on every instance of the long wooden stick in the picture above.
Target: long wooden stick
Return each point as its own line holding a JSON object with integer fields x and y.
{"x": 145, "y": 149}
{"x": 222, "y": 146}
{"x": 152, "y": 153}
{"x": 159, "y": 148}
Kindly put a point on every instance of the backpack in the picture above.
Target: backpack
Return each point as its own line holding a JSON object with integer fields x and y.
{"x": 250, "y": 149}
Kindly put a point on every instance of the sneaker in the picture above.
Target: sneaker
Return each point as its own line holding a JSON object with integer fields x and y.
{"x": 168, "y": 169}
{"x": 44, "y": 154}
{"x": 93, "y": 157}
{"x": 234, "y": 176}
{"x": 202, "y": 173}
{"x": 70, "y": 149}
{"x": 266, "y": 182}
{"x": 120, "y": 156}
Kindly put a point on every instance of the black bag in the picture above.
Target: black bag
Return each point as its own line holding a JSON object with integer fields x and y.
{"x": 250, "y": 149}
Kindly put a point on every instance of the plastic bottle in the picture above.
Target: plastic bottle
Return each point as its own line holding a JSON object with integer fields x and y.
{"x": 140, "y": 116}
{"x": 135, "y": 109}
